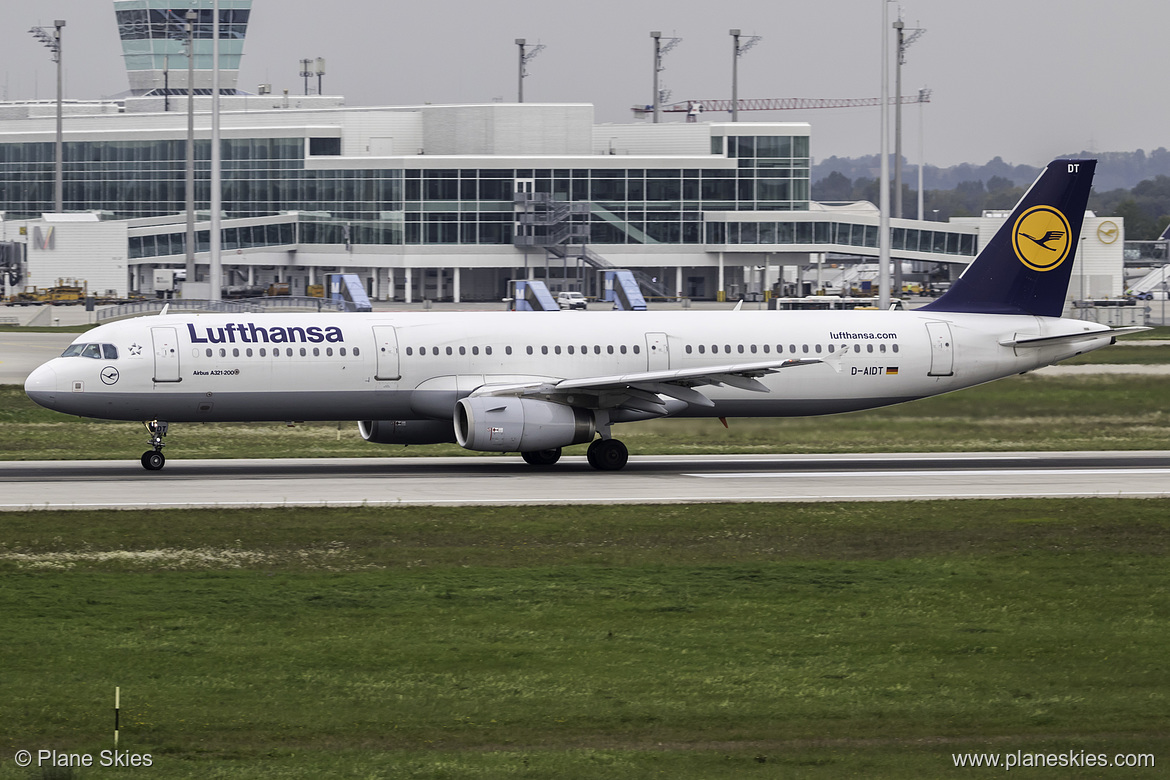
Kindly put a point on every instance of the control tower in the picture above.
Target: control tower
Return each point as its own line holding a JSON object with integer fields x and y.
{"x": 154, "y": 44}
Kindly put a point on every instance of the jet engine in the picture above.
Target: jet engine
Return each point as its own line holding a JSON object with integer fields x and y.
{"x": 488, "y": 424}
{"x": 407, "y": 431}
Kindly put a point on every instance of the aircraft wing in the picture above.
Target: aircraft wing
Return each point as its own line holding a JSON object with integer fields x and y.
{"x": 642, "y": 391}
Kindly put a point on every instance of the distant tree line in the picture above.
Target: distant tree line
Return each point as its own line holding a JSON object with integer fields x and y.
{"x": 1132, "y": 185}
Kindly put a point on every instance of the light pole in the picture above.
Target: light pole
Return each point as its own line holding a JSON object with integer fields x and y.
{"x": 659, "y": 51}
{"x": 53, "y": 41}
{"x": 657, "y": 36}
{"x": 526, "y": 55}
{"x": 921, "y": 146}
{"x": 215, "y": 266}
{"x": 903, "y": 44}
{"x": 736, "y": 52}
{"x": 884, "y": 194}
{"x": 190, "y": 173}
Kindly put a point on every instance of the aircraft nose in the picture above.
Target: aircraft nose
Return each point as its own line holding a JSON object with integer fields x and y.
{"x": 41, "y": 386}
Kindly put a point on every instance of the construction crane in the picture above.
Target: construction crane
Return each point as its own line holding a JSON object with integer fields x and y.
{"x": 778, "y": 104}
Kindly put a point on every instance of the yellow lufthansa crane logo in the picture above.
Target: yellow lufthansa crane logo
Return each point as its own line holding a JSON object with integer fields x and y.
{"x": 1042, "y": 238}
{"x": 1107, "y": 232}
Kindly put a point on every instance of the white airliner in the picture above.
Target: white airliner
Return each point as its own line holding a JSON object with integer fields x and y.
{"x": 534, "y": 382}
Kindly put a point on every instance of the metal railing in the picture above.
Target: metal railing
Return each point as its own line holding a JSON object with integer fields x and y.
{"x": 139, "y": 308}
{"x": 243, "y": 306}
{"x": 297, "y": 303}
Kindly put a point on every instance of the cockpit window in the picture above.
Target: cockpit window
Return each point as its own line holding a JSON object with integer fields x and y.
{"x": 96, "y": 351}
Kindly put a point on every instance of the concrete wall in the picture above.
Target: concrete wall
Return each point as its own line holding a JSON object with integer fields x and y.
{"x": 504, "y": 129}
{"x": 90, "y": 252}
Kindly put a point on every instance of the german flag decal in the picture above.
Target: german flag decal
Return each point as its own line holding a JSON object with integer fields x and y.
{"x": 891, "y": 370}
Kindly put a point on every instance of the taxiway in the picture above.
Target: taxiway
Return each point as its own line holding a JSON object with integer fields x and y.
{"x": 647, "y": 479}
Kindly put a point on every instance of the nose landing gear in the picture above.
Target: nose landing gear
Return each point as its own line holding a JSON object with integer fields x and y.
{"x": 153, "y": 459}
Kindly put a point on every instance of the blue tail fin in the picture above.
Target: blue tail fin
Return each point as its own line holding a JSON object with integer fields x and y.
{"x": 1025, "y": 268}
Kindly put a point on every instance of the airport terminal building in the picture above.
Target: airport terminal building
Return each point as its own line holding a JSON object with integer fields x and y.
{"x": 438, "y": 202}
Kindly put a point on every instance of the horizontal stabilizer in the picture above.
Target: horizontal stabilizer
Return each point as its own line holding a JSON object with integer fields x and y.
{"x": 1068, "y": 338}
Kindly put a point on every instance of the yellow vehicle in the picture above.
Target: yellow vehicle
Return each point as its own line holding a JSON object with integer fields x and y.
{"x": 315, "y": 291}
{"x": 66, "y": 292}
{"x": 29, "y": 296}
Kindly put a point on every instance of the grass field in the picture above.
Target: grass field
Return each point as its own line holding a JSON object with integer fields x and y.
{"x": 868, "y": 640}
{"x": 1098, "y": 412}
{"x": 726, "y": 641}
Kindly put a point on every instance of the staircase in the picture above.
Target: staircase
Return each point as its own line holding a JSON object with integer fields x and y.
{"x": 555, "y": 225}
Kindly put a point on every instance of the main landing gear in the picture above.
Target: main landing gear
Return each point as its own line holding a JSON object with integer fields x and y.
{"x": 603, "y": 455}
{"x": 542, "y": 457}
{"x": 153, "y": 459}
{"x": 607, "y": 455}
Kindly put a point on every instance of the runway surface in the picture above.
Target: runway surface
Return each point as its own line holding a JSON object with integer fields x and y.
{"x": 647, "y": 479}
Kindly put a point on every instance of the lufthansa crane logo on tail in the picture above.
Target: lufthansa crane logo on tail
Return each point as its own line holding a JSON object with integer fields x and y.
{"x": 1042, "y": 238}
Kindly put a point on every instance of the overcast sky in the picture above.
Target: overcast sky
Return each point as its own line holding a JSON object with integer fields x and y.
{"x": 1025, "y": 80}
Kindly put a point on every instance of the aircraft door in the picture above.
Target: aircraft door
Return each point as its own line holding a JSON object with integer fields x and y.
{"x": 657, "y": 352}
{"x": 386, "y": 345}
{"x": 942, "y": 351}
{"x": 166, "y": 354}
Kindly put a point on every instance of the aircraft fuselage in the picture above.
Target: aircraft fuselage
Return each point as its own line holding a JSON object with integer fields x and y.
{"x": 415, "y": 366}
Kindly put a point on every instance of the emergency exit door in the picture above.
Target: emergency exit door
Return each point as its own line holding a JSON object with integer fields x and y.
{"x": 942, "y": 350}
{"x": 386, "y": 347}
{"x": 657, "y": 354}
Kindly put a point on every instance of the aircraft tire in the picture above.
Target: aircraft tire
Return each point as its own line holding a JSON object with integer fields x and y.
{"x": 608, "y": 455}
{"x": 542, "y": 457}
{"x": 152, "y": 460}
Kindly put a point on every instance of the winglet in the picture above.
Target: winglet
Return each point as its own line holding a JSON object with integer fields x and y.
{"x": 1025, "y": 268}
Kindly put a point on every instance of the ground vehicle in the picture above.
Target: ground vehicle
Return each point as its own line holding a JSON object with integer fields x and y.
{"x": 66, "y": 292}
{"x": 568, "y": 299}
{"x": 29, "y": 296}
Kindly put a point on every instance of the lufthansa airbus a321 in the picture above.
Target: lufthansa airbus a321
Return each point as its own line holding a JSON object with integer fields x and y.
{"x": 534, "y": 383}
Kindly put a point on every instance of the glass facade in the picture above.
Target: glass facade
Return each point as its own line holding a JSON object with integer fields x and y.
{"x": 843, "y": 234}
{"x": 265, "y": 176}
{"x": 167, "y": 244}
{"x": 154, "y": 35}
{"x": 171, "y": 23}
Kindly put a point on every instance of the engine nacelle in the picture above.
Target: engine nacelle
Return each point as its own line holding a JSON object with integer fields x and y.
{"x": 407, "y": 431}
{"x": 520, "y": 424}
